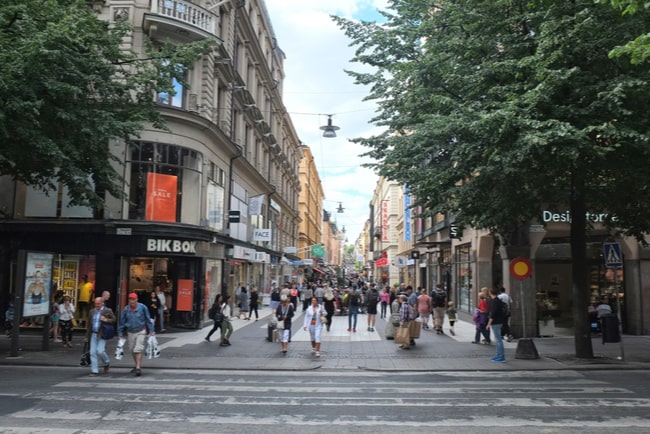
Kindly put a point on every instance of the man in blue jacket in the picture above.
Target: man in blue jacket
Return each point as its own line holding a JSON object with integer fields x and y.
{"x": 135, "y": 321}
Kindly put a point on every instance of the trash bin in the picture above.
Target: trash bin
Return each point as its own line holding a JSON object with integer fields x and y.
{"x": 609, "y": 326}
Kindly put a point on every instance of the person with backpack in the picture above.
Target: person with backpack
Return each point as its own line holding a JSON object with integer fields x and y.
{"x": 353, "y": 303}
{"x": 372, "y": 298}
{"x": 214, "y": 313}
{"x": 439, "y": 302}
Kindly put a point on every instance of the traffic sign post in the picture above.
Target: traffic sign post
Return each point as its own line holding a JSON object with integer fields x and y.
{"x": 521, "y": 269}
{"x": 614, "y": 259}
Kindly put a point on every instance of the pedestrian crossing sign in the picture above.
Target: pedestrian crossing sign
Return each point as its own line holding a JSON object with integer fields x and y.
{"x": 613, "y": 257}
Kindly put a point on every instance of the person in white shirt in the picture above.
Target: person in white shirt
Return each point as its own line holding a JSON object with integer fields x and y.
{"x": 226, "y": 325}
{"x": 505, "y": 327}
{"x": 314, "y": 323}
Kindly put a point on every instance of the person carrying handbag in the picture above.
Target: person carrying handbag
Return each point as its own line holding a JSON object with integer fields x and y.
{"x": 96, "y": 317}
{"x": 284, "y": 314}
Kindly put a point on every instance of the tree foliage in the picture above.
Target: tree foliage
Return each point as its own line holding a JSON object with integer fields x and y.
{"x": 637, "y": 49}
{"x": 68, "y": 88}
{"x": 498, "y": 109}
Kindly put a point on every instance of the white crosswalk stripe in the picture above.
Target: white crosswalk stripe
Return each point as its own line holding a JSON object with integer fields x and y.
{"x": 185, "y": 401}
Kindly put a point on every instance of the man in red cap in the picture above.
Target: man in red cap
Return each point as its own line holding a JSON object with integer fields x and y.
{"x": 135, "y": 321}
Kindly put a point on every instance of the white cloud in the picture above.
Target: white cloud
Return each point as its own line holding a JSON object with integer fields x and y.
{"x": 317, "y": 53}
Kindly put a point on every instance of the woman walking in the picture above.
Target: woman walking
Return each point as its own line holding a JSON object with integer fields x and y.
{"x": 384, "y": 298}
{"x": 243, "y": 303}
{"x": 329, "y": 306}
{"x": 284, "y": 314}
{"x": 215, "y": 315}
{"x": 226, "y": 325}
{"x": 255, "y": 297}
{"x": 66, "y": 314}
{"x": 314, "y": 323}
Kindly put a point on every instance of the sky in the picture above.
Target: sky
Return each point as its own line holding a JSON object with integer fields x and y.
{"x": 317, "y": 53}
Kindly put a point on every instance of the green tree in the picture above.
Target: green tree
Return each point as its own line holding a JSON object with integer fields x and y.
{"x": 68, "y": 88}
{"x": 637, "y": 49}
{"x": 496, "y": 109}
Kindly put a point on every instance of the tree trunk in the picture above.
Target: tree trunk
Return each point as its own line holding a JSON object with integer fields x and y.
{"x": 582, "y": 332}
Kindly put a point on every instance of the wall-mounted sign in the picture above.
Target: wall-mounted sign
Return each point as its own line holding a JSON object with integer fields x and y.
{"x": 171, "y": 246}
{"x": 234, "y": 216}
{"x": 261, "y": 234}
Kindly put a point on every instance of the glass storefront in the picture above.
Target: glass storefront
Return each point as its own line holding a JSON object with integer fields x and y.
{"x": 554, "y": 279}
{"x": 177, "y": 278}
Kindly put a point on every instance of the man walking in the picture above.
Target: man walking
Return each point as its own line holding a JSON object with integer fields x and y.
{"x": 136, "y": 321}
{"x": 95, "y": 335}
{"x": 439, "y": 302}
{"x": 497, "y": 315}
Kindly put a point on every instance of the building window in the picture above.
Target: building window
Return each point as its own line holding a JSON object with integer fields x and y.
{"x": 174, "y": 98}
{"x": 164, "y": 183}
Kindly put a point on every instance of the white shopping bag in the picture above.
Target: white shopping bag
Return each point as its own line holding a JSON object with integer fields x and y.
{"x": 119, "y": 350}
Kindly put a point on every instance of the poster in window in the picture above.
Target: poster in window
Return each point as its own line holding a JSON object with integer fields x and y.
{"x": 38, "y": 281}
{"x": 185, "y": 295}
{"x": 161, "y": 197}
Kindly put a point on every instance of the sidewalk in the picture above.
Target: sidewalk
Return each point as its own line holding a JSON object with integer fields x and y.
{"x": 187, "y": 349}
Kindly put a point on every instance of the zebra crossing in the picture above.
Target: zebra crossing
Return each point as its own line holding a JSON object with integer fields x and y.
{"x": 179, "y": 401}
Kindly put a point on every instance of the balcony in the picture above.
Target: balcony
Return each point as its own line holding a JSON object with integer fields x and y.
{"x": 180, "y": 20}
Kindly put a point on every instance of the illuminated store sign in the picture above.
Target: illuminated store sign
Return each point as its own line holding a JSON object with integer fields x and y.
{"x": 565, "y": 217}
{"x": 171, "y": 246}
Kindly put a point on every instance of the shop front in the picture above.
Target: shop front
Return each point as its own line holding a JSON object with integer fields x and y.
{"x": 136, "y": 258}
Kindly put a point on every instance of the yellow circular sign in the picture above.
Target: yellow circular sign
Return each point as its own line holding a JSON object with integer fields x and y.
{"x": 520, "y": 268}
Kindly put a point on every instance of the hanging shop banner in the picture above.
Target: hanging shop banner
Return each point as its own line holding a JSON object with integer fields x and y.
{"x": 384, "y": 221}
{"x": 318, "y": 251}
{"x": 185, "y": 295}
{"x": 38, "y": 281}
{"x": 161, "y": 197}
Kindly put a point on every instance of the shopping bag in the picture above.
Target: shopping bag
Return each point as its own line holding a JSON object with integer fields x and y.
{"x": 119, "y": 350}
{"x": 152, "y": 350}
{"x": 402, "y": 335}
{"x": 414, "y": 329}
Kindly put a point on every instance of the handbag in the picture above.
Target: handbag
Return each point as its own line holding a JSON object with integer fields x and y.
{"x": 402, "y": 335}
{"x": 108, "y": 331}
{"x": 280, "y": 325}
{"x": 323, "y": 319}
{"x": 74, "y": 322}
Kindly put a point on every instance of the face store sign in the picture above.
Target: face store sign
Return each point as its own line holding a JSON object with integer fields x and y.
{"x": 171, "y": 246}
